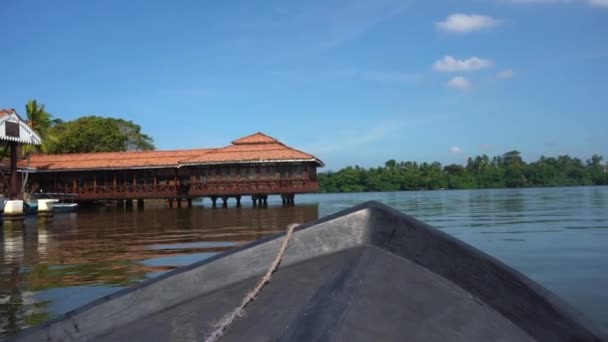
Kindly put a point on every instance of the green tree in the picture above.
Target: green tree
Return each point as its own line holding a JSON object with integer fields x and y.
{"x": 595, "y": 170}
{"x": 459, "y": 177}
{"x": 514, "y": 169}
{"x": 508, "y": 170}
{"x": 41, "y": 122}
{"x": 99, "y": 134}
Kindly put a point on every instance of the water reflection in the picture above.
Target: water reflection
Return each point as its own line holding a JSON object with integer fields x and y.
{"x": 49, "y": 267}
{"x": 556, "y": 236}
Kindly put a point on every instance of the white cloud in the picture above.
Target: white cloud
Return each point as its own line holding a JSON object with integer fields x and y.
{"x": 455, "y": 150}
{"x": 506, "y": 74}
{"x": 459, "y": 82}
{"x": 465, "y": 23}
{"x": 451, "y": 64}
{"x": 599, "y": 3}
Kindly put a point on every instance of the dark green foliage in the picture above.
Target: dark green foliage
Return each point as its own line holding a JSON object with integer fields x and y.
{"x": 481, "y": 172}
{"x": 98, "y": 134}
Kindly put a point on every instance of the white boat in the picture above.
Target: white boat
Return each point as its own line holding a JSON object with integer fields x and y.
{"x": 64, "y": 207}
{"x": 60, "y": 204}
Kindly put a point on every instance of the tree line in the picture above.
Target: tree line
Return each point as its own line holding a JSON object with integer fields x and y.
{"x": 480, "y": 172}
{"x": 85, "y": 134}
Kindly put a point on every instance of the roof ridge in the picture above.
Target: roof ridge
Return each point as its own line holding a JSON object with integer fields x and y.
{"x": 256, "y": 138}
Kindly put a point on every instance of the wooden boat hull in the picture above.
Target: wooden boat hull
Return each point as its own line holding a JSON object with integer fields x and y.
{"x": 369, "y": 273}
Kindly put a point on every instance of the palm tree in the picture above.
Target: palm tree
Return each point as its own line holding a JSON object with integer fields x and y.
{"x": 41, "y": 122}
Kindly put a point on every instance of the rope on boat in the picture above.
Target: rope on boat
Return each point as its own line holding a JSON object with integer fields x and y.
{"x": 230, "y": 317}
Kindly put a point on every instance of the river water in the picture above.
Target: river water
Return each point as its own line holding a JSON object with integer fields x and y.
{"x": 556, "y": 236}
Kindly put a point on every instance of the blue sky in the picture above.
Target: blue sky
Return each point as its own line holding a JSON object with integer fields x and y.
{"x": 353, "y": 82}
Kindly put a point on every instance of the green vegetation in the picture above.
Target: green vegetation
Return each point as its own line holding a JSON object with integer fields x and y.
{"x": 481, "y": 172}
{"x": 99, "y": 134}
{"x": 41, "y": 122}
{"x": 84, "y": 134}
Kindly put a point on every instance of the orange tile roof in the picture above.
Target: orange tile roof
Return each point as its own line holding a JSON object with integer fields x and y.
{"x": 4, "y": 112}
{"x": 253, "y": 148}
{"x": 256, "y": 138}
{"x": 252, "y": 153}
{"x": 110, "y": 160}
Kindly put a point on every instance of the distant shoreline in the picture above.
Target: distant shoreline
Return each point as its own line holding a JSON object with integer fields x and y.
{"x": 481, "y": 172}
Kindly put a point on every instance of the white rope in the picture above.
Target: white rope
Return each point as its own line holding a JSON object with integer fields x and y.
{"x": 225, "y": 321}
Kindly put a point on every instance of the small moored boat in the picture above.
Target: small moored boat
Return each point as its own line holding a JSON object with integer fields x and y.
{"x": 62, "y": 202}
{"x": 369, "y": 273}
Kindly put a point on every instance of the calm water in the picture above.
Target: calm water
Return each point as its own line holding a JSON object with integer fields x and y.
{"x": 558, "y": 237}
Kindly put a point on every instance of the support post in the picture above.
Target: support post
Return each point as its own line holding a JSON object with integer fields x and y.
{"x": 225, "y": 202}
{"x": 238, "y": 201}
{"x": 189, "y": 202}
{"x": 13, "y": 187}
{"x": 140, "y": 204}
{"x": 179, "y": 202}
{"x": 214, "y": 200}
{"x": 170, "y": 203}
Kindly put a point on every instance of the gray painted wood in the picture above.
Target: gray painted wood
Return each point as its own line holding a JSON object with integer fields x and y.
{"x": 367, "y": 273}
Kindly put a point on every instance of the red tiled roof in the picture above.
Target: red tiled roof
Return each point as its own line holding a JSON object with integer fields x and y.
{"x": 4, "y": 112}
{"x": 110, "y": 160}
{"x": 255, "y": 152}
{"x": 253, "y": 148}
{"x": 256, "y": 138}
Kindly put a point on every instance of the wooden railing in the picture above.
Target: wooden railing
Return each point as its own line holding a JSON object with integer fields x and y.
{"x": 202, "y": 189}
